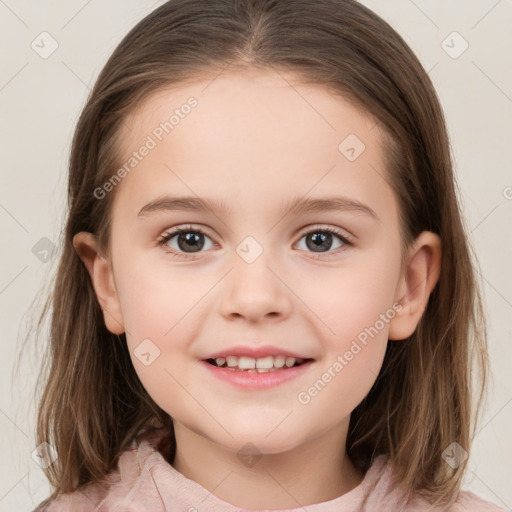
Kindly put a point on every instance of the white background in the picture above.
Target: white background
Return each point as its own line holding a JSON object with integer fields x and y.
{"x": 40, "y": 100}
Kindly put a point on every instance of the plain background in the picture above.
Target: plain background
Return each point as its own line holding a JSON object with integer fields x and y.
{"x": 40, "y": 100}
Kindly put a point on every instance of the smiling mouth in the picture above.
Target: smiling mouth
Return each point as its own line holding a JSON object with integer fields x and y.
{"x": 261, "y": 365}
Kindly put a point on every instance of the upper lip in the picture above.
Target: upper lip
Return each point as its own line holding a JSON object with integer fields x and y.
{"x": 255, "y": 352}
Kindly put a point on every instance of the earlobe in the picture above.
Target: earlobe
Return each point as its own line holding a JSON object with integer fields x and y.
{"x": 416, "y": 284}
{"x": 102, "y": 278}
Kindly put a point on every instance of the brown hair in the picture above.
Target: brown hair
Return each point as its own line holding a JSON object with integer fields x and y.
{"x": 93, "y": 402}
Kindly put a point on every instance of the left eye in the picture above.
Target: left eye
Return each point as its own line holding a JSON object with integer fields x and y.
{"x": 319, "y": 238}
{"x": 190, "y": 240}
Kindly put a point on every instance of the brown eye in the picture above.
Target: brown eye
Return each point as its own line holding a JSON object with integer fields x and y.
{"x": 321, "y": 240}
{"x": 184, "y": 241}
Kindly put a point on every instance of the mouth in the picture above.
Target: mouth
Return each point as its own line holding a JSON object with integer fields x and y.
{"x": 267, "y": 364}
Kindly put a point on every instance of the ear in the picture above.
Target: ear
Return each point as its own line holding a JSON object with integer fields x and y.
{"x": 102, "y": 277}
{"x": 416, "y": 283}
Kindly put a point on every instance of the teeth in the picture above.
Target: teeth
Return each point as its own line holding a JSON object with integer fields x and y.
{"x": 279, "y": 361}
{"x": 260, "y": 365}
{"x": 246, "y": 363}
{"x": 265, "y": 362}
{"x": 232, "y": 361}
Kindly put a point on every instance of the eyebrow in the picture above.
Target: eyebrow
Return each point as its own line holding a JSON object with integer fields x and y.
{"x": 297, "y": 206}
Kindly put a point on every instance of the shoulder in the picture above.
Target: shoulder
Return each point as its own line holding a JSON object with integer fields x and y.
{"x": 384, "y": 495}
{"x": 43, "y": 506}
{"x": 468, "y": 502}
{"x": 84, "y": 499}
{"x": 111, "y": 491}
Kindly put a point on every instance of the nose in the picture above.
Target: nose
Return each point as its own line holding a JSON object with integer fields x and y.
{"x": 254, "y": 291}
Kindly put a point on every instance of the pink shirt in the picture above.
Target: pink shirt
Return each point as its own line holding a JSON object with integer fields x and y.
{"x": 144, "y": 481}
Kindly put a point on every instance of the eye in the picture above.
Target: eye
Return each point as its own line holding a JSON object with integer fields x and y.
{"x": 189, "y": 240}
{"x": 321, "y": 238}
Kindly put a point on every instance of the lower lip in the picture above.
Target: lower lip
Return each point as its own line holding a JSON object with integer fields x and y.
{"x": 255, "y": 380}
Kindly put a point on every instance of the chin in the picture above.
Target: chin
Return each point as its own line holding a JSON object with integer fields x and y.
{"x": 253, "y": 441}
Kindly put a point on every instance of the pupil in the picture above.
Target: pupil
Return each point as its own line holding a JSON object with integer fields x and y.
{"x": 319, "y": 240}
{"x": 191, "y": 240}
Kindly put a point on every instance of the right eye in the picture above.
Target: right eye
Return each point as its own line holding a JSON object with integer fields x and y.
{"x": 186, "y": 238}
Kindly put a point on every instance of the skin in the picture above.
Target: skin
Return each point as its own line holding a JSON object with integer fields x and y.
{"x": 256, "y": 141}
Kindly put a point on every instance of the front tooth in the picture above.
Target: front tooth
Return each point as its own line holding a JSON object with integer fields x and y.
{"x": 265, "y": 362}
{"x": 220, "y": 361}
{"x": 290, "y": 361}
{"x": 246, "y": 363}
{"x": 232, "y": 361}
{"x": 279, "y": 361}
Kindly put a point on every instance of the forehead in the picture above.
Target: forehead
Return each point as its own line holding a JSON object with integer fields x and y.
{"x": 250, "y": 99}
{"x": 253, "y": 133}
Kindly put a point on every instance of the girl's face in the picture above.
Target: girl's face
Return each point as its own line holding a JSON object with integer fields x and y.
{"x": 254, "y": 272}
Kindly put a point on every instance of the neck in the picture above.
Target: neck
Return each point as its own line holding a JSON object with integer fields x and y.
{"x": 314, "y": 472}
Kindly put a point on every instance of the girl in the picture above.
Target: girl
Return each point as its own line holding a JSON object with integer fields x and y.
{"x": 266, "y": 298}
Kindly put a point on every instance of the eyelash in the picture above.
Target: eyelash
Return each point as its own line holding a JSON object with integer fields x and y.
{"x": 348, "y": 241}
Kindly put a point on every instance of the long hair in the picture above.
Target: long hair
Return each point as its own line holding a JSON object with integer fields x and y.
{"x": 93, "y": 403}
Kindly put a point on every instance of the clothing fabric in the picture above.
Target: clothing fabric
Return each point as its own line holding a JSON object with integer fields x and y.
{"x": 144, "y": 481}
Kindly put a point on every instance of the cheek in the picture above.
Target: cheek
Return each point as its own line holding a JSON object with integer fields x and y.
{"x": 155, "y": 299}
{"x": 159, "y": 308}
{"x": 353, "y": 297}
{"x": 355, "y": 310}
